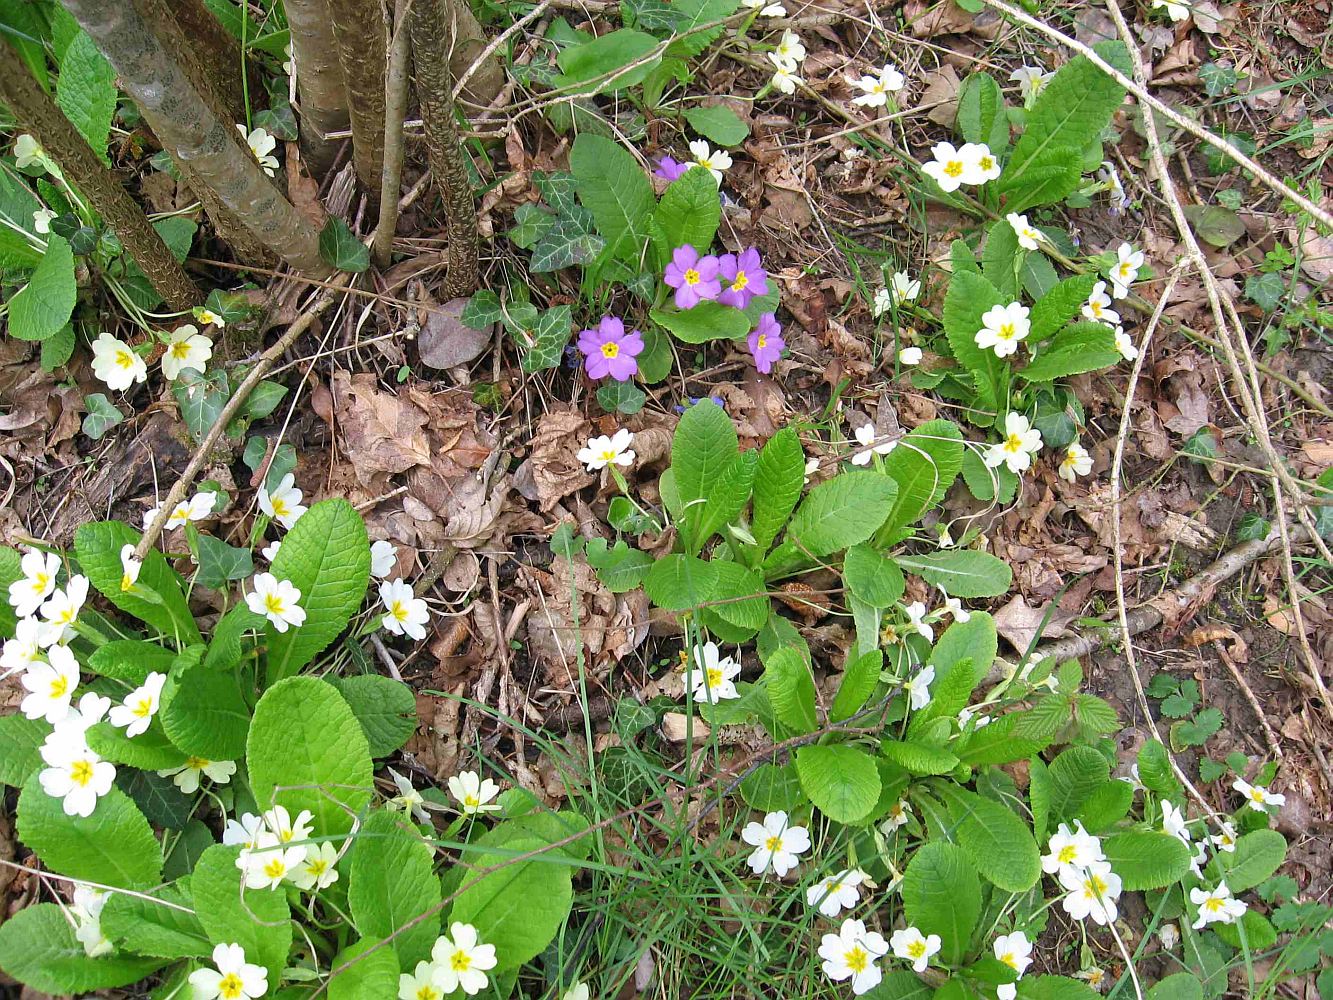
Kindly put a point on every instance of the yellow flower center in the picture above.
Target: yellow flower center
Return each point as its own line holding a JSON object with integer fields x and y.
{"x": 1257, "y": 794}
{"x": 1006, "y": 331}
{"x": 124, "y": 359}
{"x": 180, "y": 350}
{"x": 317, "y": 868}
{"x": 273, "y": 604}
{"x": 196, "y": 763}
{"x": 1014, "y": 444}
{"x": 714, "y": 677}
{"x": 1067, "y": 853}
{"x": 1213, "y": 905}
{"x": 610, "y": 349}
{"x": 125, "y": 582}
{"x": 1094, "y": 886}
{"x": 954, "y": 168}
{"x": 741, "y": 282}
{"x": 608, "y": 455}
{"x": 857, "y": 959}
{"x": 692, "y": 277}
{"x": 986, "y": 163}
{"x": 399, "y": 611}
{"x": 59, "y": 686}
{"x": 279, "y": 506}
{"x": 916, "y": 949}
{"x": 81, "y": 772}
{"x": 1008, "y": 959}
{"x": 460, "y": 961}
{"x": 143, "y": 709}
{"x": 471, "y": 801}
{"x": 40, "y": 582}
{"x": 762, "y": 341}
{"x": 275, "y": 867}
{"x": 773, "y": 843}
{"x": 428, "y": 993}
{"x": 230, "y": 986}
{"x": 1125, "y": 270}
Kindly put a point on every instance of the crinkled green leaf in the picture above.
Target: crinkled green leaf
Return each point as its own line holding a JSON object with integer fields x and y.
{"x": 704, "y": 322}
{"x": 520, "y": 907}
{"x": 961, "y": 572}
{"x": 98, "y": 546}
{"x": 842, "y": 512}
{"x": 613, "y": 186}
{"x": 21, "y": 740}
{"x": 779, "y": 476}
{"x": 390, "y": 882}
{"x": 39, "y": 949}
{"x": 924, "y": 464}
{"x": 256, "y": 919}
{"x": 841, "y": 780}
{"x": 204, "y": 713}
{"x": 1078, "y": 348}
{"x": 43, "y": 306}
{"x": 942, "y": 895}
{"x": 160, "y": 929}
{"x": 385, "y": 708}
{"x": 86, "y": 92}
{"x": 371, "y": 970}
{"x": 690, "y": 210}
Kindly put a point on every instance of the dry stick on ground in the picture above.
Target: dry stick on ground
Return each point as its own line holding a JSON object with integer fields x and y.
{"x": 358, "y": 28}
{"x": 430, "y": 55}
{"x": 189, "y": 128}
{"x": 322, "y": 94}
{"x": 1247, "y": 387}
{"x": 1269, "y": 736}
{"x": 256, "y": 374}
{"x": 38, "y": 113}
{"x": 395, "y": 110}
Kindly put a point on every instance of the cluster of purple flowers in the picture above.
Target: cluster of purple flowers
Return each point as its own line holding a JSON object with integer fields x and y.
{"x": 730, "y": 280}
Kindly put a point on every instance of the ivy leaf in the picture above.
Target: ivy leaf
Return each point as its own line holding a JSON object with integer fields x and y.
{"x": 621, "y": 397}
{"x": 102, "y": 415}
{"x": 339, "y": 248}
{"x": 543, "y": 344}
{"x": 202, "y": 398}
{"x": 220, "y": 563}
{"x": 482, "y": 310}
{"x": 620, "y": 568}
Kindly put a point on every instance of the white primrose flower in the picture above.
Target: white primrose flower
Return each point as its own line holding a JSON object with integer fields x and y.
{"x": 277, "y": 600}
{"x": 852, "y": 954}
{"x": 882, "y": 303}
{"x": 1098, "y": 307}
{"x": 284, "y": 503}
{"x": 270, "y": 551}
{"x": 980, "y": 164}
{"x": 1125, "y": 269}
{"x": 74, "y": 773}
{"x": 1003, "y": 328}
{"x": 188, "y": 776}
{"x": 1174, "y": 823}
{"x": 911, "y": 944}
{"x": 1110, "y": 177}
{"x": 383, "y": 558}
{"x": 62, "y": 608}
{"x": 1077, "y": 462}
{"x": 87, "y": 907}
{"x": 24, "y": 649}
{"x": 244, "y": 831}
{"x": 406, "y": 614}
{"x": 186, "y": 348}
{"x": 29, "y": 153}
{"x": 1216, "y": 906}
{"x": 785, "y": 78}
{"x": 918, "y": 686}
{"x": 1031, "y": 81}
{"x": 196, "y": 508}
{"x": 911, "y": 355}
{"x": 1029, "y": 237}
{"x": 1021, "y": 442}
{"x": 1124, "y": 343}
{"x": 1092, "y": 892}
{"x": 1199, "y": 858}
{"x": 280, "y": 823}
{"x": 140, "y": 705}
{"x": 209, "y": 318}
{"x": 92, "y": 709}
{"x": 269, "y": 863}
{"x": 1094, "y": 977}
{"x": 420, "y": 984}
{"x": 776, "y": 845}
{"x": 317, "y": 870}
{"x": 954, "y": 607}
{"x": 834, "y": 893}
{"x": 790, "y": 50}
{"x": 1257, "y": 796}
{"x": 1226, "y": 840}
{"x": 904, "y": 287}
{"x": 261, "y": 147}
{"x": 811, "y": 467}
{"x": 765, "y": 9}
{"x": 233, "y": 978}
{"x": 1076, "y": 849}
{"x": 116, "y": 364}
{"x": 474, "y": 793}
{"x": 865, "y": 435}
{"x": 602, "y": 451}
{"x": 948, "y": 167}
{"x": 129, "y": 567}
{"x": 876, "y": 87}
{"x": 408, "y": 799}
{"x": 896, "y": 817}
{"x": 715, "y": 161}
{"x": 50, "y": 685}
{"x": 967, "y": 714}
{"x": 712, "y": 677}
{"x": 1015, "y": 951}
{"x": 38, "y": 582}
{"x": 579, "y": 991}
{"x": 1175, "y": 11}
{"x": 916, "y": 620}
{"x": 41, "y": 221}
{"x": 461, "y": 960}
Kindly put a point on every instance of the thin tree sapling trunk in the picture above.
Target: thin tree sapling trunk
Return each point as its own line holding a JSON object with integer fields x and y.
{"x": 430, "y": 26}
{"x": 37, "y": 113}
{"x": 363, "y": 40}
{"x": 219, "y": 55}
{"x": 321, "y": 94}
{"x": 188, "y": 127}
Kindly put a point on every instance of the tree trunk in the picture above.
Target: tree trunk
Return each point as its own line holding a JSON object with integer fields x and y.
{"x": 321, "y": 93}
{"x": 37, "y": 112}
{"x": 358, "y": 27}
{"x": 191, "y": 131}
{"x": 430, "y": 55}
{"x": 467, "y": 42}
{"x": 219, "y": 56}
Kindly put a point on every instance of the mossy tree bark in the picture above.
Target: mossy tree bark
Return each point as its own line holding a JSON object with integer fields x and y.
{"x": 430, "y": 26}
{"x": 321, "y": 92}
{"x": 363, "y": 40}
{"x": 24, "y": 96}
{"x": 219, "y": 55}
{"x": 188, "y": 127}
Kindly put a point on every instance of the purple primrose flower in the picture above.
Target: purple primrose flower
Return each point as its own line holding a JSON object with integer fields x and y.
{"x": 609, "y": 350}
{"x": 693, "y": 277}
{"x": 743, "y": 278}
{"x": 669, "y": 168}
{"x": 766, "y": 343}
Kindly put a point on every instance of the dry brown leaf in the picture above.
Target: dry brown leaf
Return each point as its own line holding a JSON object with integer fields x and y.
{"x": 446, "y": 341}
{"x": 554, "y": 469}
{"x": 382, "y": 432}
{"x": 1020, "y": 624}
